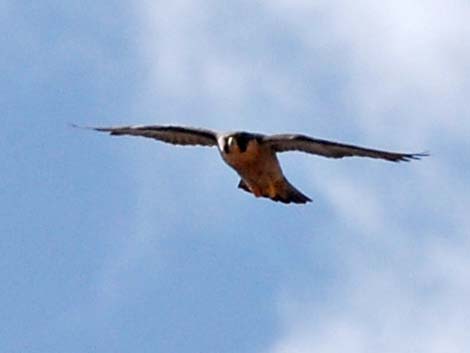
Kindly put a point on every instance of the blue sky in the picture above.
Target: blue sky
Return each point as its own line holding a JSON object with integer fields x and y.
{"x": 125, "y": 244}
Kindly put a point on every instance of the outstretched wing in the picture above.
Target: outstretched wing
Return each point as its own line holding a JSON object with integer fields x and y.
{"x": 291, "y": 142}
{"x": 176, "y": 135}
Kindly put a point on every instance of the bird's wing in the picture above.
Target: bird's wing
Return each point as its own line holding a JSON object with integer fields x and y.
{"x": 293, "y": 142}
{"x": 176, "y": 135}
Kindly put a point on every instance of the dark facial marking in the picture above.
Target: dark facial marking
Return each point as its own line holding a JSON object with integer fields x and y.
{"x": 226, "y": 146}
{"x": 242, "y": 140}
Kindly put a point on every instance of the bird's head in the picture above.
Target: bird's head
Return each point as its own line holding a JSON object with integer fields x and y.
{"x": 237, "y": 142}
{"x": 229, "y": 144}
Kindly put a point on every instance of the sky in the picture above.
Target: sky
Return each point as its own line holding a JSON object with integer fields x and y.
{"x": 130, "y": 245}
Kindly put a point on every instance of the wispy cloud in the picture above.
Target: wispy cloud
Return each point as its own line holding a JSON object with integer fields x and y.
{"x": 403, "y": 59}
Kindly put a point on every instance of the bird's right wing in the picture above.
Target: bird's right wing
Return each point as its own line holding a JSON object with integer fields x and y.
{"x": 177, "y": 135}
{"x": 294, "y": 142}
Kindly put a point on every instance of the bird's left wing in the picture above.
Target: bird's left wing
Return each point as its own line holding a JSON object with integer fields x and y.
{"x": 177, "y": 135}
{"x": 293, "y": 142}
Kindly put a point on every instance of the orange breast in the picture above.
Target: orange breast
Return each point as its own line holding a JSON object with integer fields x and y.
{"x": 258, "y": 166}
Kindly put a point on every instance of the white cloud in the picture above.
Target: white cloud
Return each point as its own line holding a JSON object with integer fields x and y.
{"x": 407, "y": 60}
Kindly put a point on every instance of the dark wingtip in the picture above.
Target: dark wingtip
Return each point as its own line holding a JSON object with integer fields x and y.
{"x": 101, "y": 129}
{"x": 76, "y": 126}
{"x": 412, "y": 156}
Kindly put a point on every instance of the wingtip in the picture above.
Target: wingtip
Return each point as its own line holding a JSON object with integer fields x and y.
{"x": 76, "y": 126}
{"x": 86, "y": 127}
{"x": 414, "y": 156}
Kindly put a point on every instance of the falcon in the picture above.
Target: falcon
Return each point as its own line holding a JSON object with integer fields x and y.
{"x": 253, "y": 156}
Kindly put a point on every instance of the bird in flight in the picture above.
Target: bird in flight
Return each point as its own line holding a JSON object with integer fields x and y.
{"x": 253, "y": 156}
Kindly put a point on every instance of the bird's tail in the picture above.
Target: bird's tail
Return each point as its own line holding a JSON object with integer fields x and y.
{"x": 285, "y": 192}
